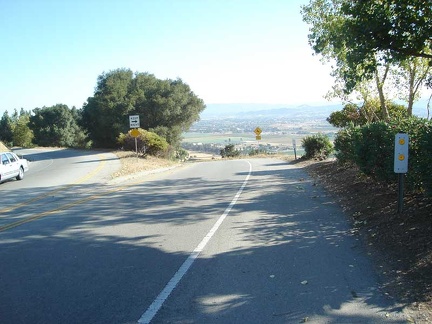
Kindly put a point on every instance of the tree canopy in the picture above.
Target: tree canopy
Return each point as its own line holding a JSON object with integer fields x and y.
{"x": 6, "y": 129}
{"x": 14, "y": 130}
{"x": 373, "y": 41}
{"x": 22, "y": 134}
{"x": 166, "y": 107}
{"x": 360, "y": 32}
{"x": 402, "y": 29}
{"x": 56, "y": 126}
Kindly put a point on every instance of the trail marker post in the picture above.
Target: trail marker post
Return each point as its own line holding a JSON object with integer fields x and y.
{"x": 401, "y": 164}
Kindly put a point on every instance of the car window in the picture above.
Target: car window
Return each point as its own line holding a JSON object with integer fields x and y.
{"x": 11, "y": 157}
{"x": 4, "y": 159}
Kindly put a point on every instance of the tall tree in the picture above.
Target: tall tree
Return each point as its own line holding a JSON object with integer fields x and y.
{"x": 328, "y": 38}
{"x": 412, "y": 74}
{"x": 104, "y": 115}
{"x": 367, "y": 39}
{"x": 392, "y": 30}
{"x": 15, "y": 116}
{"x": 22, "y": 134}
{"x": 167, "y": 107}
{"x": 6, "y": 128}
{"x": 54, "y": 126}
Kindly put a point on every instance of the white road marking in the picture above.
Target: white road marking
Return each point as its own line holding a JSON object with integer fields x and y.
{"x": 165, "y": 293}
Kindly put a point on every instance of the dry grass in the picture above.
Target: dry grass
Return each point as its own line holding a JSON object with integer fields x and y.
{"x": 131, "y": 163}
{"x": 3, "y": 147}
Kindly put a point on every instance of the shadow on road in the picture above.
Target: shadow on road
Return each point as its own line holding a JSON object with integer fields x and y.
{"x": 295, "y": 260}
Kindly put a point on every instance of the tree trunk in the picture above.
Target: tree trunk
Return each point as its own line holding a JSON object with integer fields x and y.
{"x": 412, "y": 74}
{"x": 380, "y": 86}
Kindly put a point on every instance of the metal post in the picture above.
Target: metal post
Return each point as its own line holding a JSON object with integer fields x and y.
{"x": 401, "y": 192}
{"x": 136, "y": 146}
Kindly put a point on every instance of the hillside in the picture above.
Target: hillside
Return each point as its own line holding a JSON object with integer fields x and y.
{"x": 250, "y": 111}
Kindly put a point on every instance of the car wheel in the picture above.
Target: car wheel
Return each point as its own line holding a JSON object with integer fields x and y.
{"x": 20, "y": 175}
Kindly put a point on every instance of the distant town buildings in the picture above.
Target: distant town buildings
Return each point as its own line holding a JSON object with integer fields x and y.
{"x": 212, "y": 135}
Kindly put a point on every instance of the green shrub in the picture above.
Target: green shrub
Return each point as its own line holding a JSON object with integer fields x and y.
{"x": 420, "y": 151}
{"x": 229, "y": 151}
{"x": 425, "y": 162}
{"x": 259, "y": 151}
{"x": 371, "y": 148}
{"x": 147, "y": 143}
{"x": 374, "y": 150}
{"x": 317, "y": 146}
{"x": 181, "y": 154}
{"x": 350, "y": 114}
{"x": 344, "y": 144}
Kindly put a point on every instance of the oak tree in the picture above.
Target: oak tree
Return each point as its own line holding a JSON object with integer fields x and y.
{"x": 166, "y": 107}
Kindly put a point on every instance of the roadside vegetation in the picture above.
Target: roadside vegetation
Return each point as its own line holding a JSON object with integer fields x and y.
{"x": 380, "y": 52}
{"x": 317, "y": 147}
{"x": 229, "y": 151}
{"x": 167, "y": 109}
{"x": 381, "y": 55}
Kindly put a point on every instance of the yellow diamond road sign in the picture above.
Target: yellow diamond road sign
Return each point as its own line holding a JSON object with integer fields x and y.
{"x": 258, "y": 131}
{"x": 135, "y": 132}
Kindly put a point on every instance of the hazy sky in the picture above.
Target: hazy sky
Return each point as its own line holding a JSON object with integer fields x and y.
{"x": 228, "y": 51}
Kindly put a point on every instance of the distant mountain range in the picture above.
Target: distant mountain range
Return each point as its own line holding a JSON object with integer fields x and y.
{"x": 218, "y": 111}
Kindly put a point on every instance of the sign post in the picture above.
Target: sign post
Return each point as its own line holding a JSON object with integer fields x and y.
{"x": 401, "y": 164}
{"x": 295, "y": 148}
{"x": 134, "y": 123}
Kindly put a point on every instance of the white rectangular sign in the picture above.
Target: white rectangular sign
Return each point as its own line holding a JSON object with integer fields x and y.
{"x": 134, "y": 121}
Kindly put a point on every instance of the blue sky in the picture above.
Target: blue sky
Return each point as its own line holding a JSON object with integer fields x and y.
{"x": 228, "y": 51}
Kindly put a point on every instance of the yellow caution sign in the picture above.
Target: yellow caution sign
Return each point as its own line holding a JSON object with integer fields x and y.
{"x": 135, "y": 132}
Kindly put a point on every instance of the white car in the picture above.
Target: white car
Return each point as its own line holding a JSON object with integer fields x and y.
{"x": 12, "y": 166}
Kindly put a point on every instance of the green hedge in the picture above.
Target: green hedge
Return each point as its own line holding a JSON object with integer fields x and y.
{"x": 371, "y": 148}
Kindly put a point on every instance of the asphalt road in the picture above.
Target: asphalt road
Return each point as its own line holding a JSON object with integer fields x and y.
{"x": 214, "y": 242}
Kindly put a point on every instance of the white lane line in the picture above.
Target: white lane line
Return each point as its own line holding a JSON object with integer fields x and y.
{"x": 160, "y": 299}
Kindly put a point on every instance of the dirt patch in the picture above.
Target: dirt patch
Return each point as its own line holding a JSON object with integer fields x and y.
{"x": 3, "y": 148}
{"x": 401, "y": 243}
{"x": 201, "y": 156}
{"x": 131, "y": 163}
